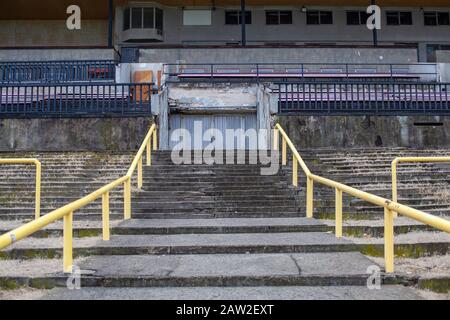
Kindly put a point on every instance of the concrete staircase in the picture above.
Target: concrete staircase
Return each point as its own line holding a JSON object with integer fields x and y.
{"x": 198, "y": 231}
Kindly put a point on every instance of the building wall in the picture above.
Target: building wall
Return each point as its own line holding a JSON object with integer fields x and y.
{"x": 443, "y": 56}
{"x": 176, "y": 33}
{"x": 55, "y": 54}
{"x": 29, "y": 33}
{"x": 279, "y": 55}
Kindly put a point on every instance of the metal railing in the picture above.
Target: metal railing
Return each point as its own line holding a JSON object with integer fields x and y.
{"x": 57, "y": 71}
{"x": 352, "y": 98}
{"x": 66, "y": 212}
{"x": 334, "y": 71}
{"x": 37, "y": 192}
{"x": 390, "y": 207}
{"x": 69, "y": 100}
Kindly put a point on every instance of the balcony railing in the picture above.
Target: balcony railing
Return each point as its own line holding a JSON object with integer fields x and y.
{"x": 72, "y": 100}
{"x": 57, "y": 71}
{"x": 352, "y": 98}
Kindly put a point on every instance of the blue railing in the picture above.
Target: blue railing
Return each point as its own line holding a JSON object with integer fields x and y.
{"x": 303, "y": 71}
{"x": 73, "y": 100}
{"x": 57, "y": 71}
{"x": 356, "y": 98}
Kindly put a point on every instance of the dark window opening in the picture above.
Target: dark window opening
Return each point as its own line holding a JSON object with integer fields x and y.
{"x": 355, "y": 18}
{"x": 315, "y": 17}
{"x": 396, "y": 18}
{"x": 126, "y": 19}
{"x": 235, "y": 17}
{"x": 136, "y": 18}
{"x": 278, "y": 17}
{"x": 432, "y": 18}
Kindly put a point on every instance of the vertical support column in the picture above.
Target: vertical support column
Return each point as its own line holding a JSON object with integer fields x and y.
{"x": 295, "y": 171}
{"x": 37, "y": 210}
{"x": 389, "y": 240}
{"x": 284, "y": 152}
{"x": 338, "y": 227}
{"x": 309, "y": 197}
{"x": 68, "y": 243}
{"x": 243, "y": 24}
{"x": 375, "y": 31}
{"x": 110, "y": 23}
{"x": 105, "y": 216}
{"x": 140, "y": 182}
{"x": 127, "y": 199}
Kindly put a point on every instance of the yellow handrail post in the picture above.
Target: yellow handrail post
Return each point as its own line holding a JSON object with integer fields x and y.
{"x": 155, "y": 139}
{"x": 389, "y": 240}
{"x": 284, "y": 151}
{"x": 276, "y": 138}
{"x": 140, "y": 182}
{"x": 309, "y": 197}
{"x": 394, "y": 183}
{"x": 37, "y": 210}
{"x": 338, "y": 226}
{"x": 68, "y": 243}
{"x": 149, "y": 154}
{"x": 127, "y": 199}
{"x": 295, "y": 171}
{"x": 105, "y": 216}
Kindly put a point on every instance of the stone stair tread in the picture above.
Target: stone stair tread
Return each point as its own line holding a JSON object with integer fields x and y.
{"x": 189, "y": 240}
{"x": 292, "y": 293}
{"x": 201, "y": 265}
{"x": 408, "y": 238}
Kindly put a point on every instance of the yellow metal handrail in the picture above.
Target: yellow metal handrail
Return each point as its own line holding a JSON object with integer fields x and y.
{"x": 399, "y": 160}
{"x": 390, "y": 207}
{"x": 37, "y": 192}
{"x": 67, "y": 211}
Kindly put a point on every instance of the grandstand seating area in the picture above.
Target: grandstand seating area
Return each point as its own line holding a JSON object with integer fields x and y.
{"x": 69, "y": 88}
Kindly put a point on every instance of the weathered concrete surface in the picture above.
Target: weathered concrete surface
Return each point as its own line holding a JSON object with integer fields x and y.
{"x": 250, "y": 293}
{"x": 443, "y": 56}
{"x": 72, "y": 134}
{"x": 352, "y": 131}
{"x": 279, "y": 55}
{"x": 213, "y": 96}
{"x": 27, "y": 33}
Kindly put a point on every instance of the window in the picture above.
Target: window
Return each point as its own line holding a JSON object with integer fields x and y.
{"x": 142, "y": 18}
{"x": 433, "y": 18}
{"x": 234, "y": 17}
{"x": 319, "y": 17}
{"x": 396, "y": 18}
{"x": 278, "y": 17}
{"x": 355, "y": 18}
{"x": 126, "y": 19}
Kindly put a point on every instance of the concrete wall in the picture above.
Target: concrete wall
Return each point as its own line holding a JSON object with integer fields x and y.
{"x": 27, "y": 33}
{"x": 443, "y": 56}
{"x": 72, "y": 134}
{"x": 354, "y": 132}
{"x": 280, "y": 55}
{"x": 55, "y": 54}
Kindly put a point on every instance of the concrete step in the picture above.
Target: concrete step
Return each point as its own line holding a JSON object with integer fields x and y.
{"x": 181, "y": 226}
{"x": 267, "y": 293}
{"x": 183, "y": 244}
{"x": 295, "y": 269}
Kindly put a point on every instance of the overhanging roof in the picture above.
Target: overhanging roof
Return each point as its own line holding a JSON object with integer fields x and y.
{"x": 98, "y": 9}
